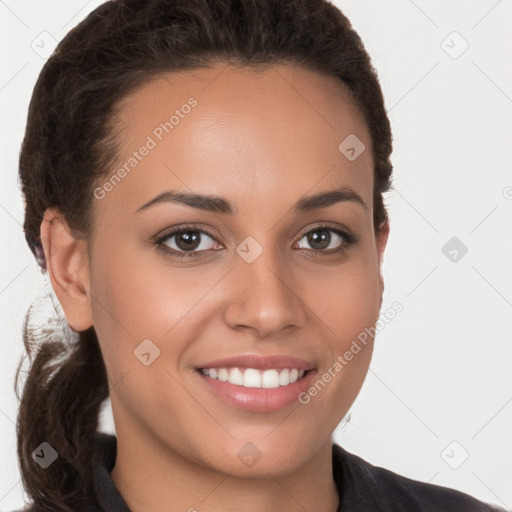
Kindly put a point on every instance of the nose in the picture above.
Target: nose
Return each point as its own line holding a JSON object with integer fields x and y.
{"x": 264, "y": 296}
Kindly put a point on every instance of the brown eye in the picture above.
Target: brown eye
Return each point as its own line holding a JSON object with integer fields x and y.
{"x": 186, "y": 242}
{"x": 326, "y": 239}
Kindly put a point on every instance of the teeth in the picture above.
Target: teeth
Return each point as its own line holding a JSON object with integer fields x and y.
{"x": 236, "y": 377}
{"x": 253, "y": 378}
{"x": 270, "y": 379}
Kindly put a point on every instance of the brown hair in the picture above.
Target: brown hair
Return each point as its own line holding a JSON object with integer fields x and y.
{"x": 70, "y": 143}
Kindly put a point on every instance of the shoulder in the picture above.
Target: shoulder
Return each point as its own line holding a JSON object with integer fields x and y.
{"x": 369, "y": 487}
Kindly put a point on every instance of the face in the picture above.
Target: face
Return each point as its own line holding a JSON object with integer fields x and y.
{"x": 262, "y": 277}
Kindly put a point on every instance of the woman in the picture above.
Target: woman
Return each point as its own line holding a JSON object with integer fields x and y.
{"x": 203, "y": 185}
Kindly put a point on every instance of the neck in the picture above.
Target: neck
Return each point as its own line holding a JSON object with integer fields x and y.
{"x": 152, "y": 477}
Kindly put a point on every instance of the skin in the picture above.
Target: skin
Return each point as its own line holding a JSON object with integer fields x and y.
{"x": 262, "y": 140}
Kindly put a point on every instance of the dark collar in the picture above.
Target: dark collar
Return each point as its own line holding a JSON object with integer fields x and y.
{"x": 108, "y": 495}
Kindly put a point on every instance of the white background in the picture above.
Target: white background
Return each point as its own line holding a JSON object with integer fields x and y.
{"x": 441, "y": 370}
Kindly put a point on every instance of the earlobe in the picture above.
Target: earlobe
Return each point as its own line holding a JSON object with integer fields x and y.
{"x": 382, "y": 240}
{"x": 68, "y": 267}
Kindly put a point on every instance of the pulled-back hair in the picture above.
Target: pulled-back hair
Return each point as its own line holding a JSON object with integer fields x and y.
{"x": 70, "y": 143}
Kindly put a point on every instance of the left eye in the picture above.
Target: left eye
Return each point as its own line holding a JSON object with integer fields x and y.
{"x": 192, "y": 242}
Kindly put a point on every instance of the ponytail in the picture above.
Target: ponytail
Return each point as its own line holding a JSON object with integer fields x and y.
{"x": 60, "y": 405}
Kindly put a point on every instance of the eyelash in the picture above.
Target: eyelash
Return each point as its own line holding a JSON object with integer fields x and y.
{"x": 349, "y": 240}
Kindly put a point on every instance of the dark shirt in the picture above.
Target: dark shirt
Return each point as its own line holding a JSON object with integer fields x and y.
{"x": 361, "y": 486}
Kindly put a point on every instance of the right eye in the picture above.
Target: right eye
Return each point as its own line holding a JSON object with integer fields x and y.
{"x": 189, "y": 242}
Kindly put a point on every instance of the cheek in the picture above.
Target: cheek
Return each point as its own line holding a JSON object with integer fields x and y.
{"x": 347, "y": 299}
{"x": 135, "y": 299}
{"x": 347, "y": 304}
{"x": 120, "y": 306}
{"x": 137, "y": 296}
{"x": 134, "y": 291}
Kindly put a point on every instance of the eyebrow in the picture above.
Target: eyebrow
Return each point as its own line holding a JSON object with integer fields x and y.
{"x": 218, "y": 204}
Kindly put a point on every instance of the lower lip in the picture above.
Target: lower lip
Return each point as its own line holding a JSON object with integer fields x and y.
{"x": 258, "y": 399}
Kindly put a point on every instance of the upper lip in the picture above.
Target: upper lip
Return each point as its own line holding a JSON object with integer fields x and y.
{"x": 260, "y": 362}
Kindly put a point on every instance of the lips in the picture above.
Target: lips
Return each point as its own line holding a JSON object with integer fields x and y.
{"x": 258, "y": 383}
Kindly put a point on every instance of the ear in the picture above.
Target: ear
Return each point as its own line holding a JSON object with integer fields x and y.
{"x": 381, "y": 239}
{"x": 67, "y": 264}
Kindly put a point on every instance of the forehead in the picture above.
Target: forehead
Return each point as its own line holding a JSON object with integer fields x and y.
{"x": 239, "y": 132}
{"x": 283, "y": 93}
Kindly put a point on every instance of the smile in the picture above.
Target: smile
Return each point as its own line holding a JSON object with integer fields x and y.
{"x": 264, "y": 390}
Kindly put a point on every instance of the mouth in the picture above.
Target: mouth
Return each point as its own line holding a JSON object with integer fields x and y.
{"x": 256, "y": 378}
{"x": 261, "y": 385}
{"x": 256, "y": 382}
